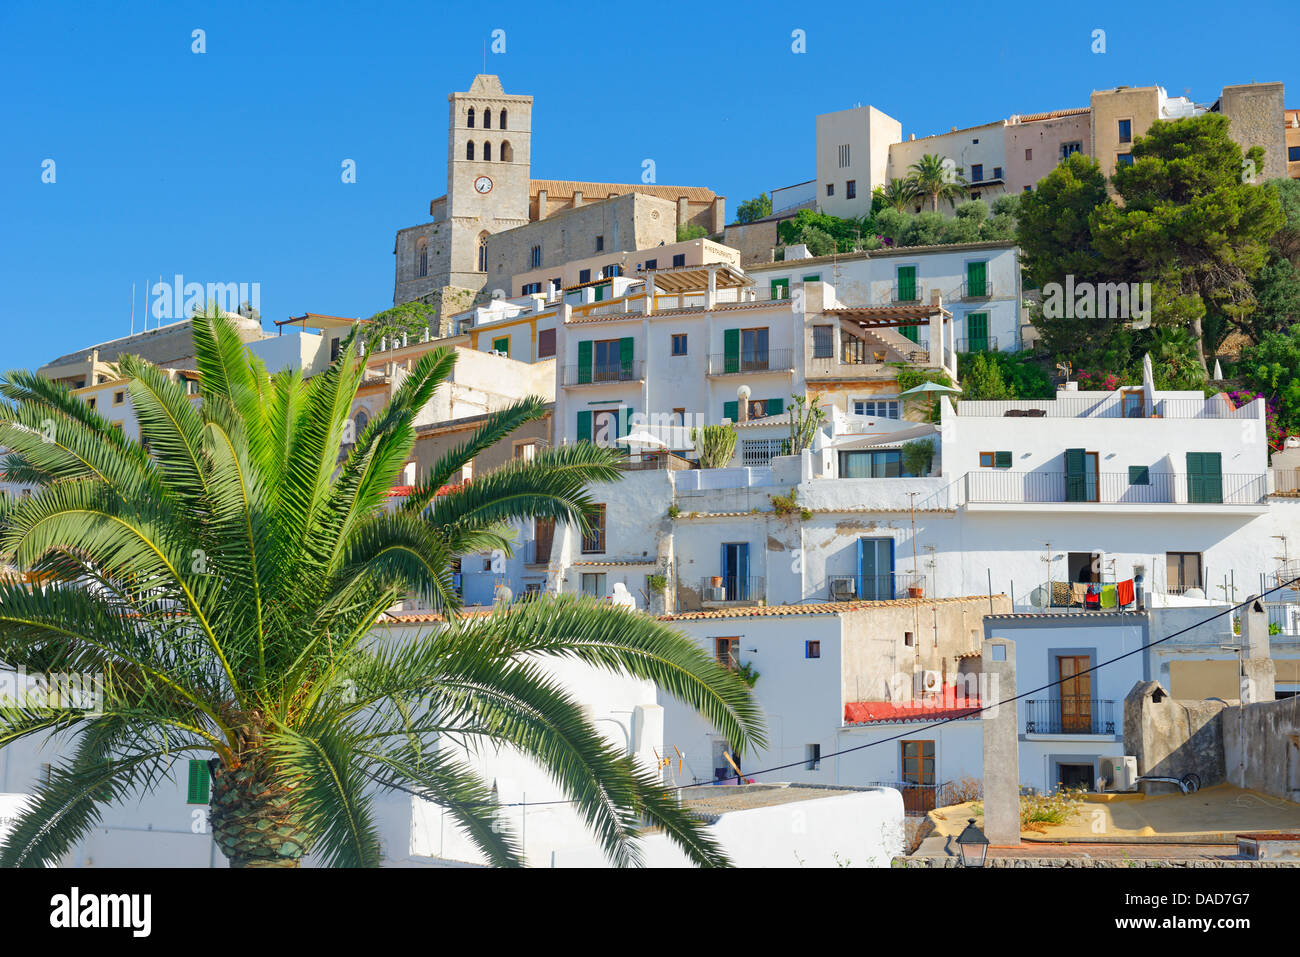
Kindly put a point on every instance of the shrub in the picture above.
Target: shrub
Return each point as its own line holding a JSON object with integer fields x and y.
{"x": 964, "y": 789}
{"x": 657, "y": 582}
{"x": 715, "y": 445}
{"x": 917, "y": 456}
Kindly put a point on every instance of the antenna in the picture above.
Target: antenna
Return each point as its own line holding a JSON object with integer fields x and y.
{"x": 132, "y": 308}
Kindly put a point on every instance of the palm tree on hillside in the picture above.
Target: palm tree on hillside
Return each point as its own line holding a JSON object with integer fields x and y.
{"x": 225, "y": 575}
{"x": 937, "y": 179}
{"x": 899, "y": 194}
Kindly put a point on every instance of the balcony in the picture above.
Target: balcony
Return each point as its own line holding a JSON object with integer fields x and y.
{"x": 1069, "y": 716}
{"x": 997, "y": 486}
{"x": 731, "y": 589}
{"x": 978, "y": 344}
{"x": 537, "y": 552}
{"x": 976, "y": 290}
{"x": 768, "y": 360}
{"x": 1108, "y": 406}
{"x": 892, "y": 586}
{"x": 906, "y": 294}
{"x": 604, "y": 373}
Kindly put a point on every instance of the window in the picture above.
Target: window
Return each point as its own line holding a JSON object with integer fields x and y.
{"x": 584, "y": 275}
{"x": 502, "y": 124}
{"x": 119, "y": 396}
{"x": 92, "y": 400}
{"x": 535, "y": 257}
{"x": 593, "y": 584}
{"x": 501, "y": 345}
{"x": 1124, "y": 159}
{"x": 823, "y": 342}
{"x": 1134, "y": 404}
{"x": 199, "y": 780}
{"x": 844, "y": 156}
{"x": 977, "y": 173}
{"x": 487, "y": 148}
{"x": 1139, "y": 475}
{"x": 997, "y": 172}
{"x": 507, "y": 154}
{"x": 1204, "y": 477}
{"x": 594, "y": 543}
{"x": 482, "y": 253}
{"x": 812, "y": 649}
{"x": 1029, "y": 189}
{"x": 422, "y": 257}
{"x": 1029, "y": 154}
{"x": 909, "y": 639}
{"x": 1182, "y": 571}
{"x": 545, "y": 343}
{"x": 812, "y": 760}
{"x": 851, "y": 189}
{"x": 753, "y": 349}
{"x": 758, "y": 453}
{"x": 469, "y": 150}
{"x": 876, "y": 408}
{"x": 884, "y": 463}
{"x": 1293, "y": 154}
{"x": 487, "y": 119}
{"x": 1075, "y": 146}
{"x": 679, "y": 259}
{"x": 1126, "y": 131}
{"x": 470, "y": 120}
{"x": 995, "y": 460}
{"x": 780, "y": 288}
{"x": 652, "y": 264}
{"x": 679, "y": 343}
{"x": 726, "y": 652}
{"x": 530, "y": 288}
{"x": 830, "y": 189}
{"x": 679, "y": 417}
{"x": 613, "y": 269}
{"x": 918, "y": 762}
{"x": 600, "y": 244}
{"x": 815, "y": 277}
{"x": 526, "y": 450}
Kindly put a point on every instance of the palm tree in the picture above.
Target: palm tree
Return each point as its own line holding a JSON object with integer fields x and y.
{"x": 899, "y": 193}
{"x": 224, "y": 575}
{"x": 937, "y": 179}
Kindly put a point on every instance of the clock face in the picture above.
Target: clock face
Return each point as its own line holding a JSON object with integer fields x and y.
{"x": 483, "y": 185}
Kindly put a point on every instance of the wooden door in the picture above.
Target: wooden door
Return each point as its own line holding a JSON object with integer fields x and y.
{"x": 1076, "y": 694}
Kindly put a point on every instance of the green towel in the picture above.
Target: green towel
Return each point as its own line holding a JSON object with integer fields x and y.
{"x": 1109, "y": 596}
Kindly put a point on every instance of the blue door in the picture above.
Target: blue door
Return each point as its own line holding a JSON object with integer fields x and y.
{"x": 735, "y": 570}
{"x": 876, "y": 568}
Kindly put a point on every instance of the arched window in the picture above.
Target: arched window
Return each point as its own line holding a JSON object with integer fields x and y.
{"x": 507, "y": 154}
{"x": 487, "y": 119}
{"x": 503, "y": 119}
{"x": 487, "y": 152}
{"x": 362, "y": 420}
{"x": 469, "y": 150}
{"x": 422, "y": 257}
{"x": 470, "y": 119}
{"x": 482, "y": 252}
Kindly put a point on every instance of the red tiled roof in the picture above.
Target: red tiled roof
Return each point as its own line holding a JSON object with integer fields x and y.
{"x": 401, "y": 491}
{"x": 939, "y": 708}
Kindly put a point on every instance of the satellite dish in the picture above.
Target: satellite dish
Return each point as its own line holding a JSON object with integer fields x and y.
{"x": 1040, "y": 597}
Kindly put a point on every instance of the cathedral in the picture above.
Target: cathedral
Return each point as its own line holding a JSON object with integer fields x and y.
{"x": 496, "y": 221}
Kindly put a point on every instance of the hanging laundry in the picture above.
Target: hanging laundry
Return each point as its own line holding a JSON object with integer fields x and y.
{"x": 1124, "y": 593}
{"x": 1078, "y": 593}
{"x": 1108, "y": 596}
{"x": 1094, "y": 596}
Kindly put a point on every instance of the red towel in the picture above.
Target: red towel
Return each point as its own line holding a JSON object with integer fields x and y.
{"x": 1124, "y": 592}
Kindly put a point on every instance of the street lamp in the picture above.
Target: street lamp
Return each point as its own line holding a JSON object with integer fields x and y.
{"x": 973, "y": 845}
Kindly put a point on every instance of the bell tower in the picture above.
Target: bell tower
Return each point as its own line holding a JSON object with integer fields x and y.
{"x": 488, "y": 172}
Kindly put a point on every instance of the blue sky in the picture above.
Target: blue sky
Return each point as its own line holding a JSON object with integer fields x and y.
{"x": 226, "y": 166}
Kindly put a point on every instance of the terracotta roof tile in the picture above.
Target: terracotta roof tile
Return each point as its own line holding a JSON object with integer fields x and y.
{"x": 943, "y": 706}
{"x": 818, "y": 608}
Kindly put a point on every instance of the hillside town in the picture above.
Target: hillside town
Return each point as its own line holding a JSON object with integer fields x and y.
{"x": 934, "y": 511}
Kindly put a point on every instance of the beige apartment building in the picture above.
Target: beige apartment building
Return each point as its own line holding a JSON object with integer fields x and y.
{"x": 1293, "y": 144}
{"x": 576, "y": 272}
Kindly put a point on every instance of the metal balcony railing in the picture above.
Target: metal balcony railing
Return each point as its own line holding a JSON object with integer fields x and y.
{"x": 977, "y": 290}
{"x": 732, "y": 588}
{"x": 998, "y": 486}
{"x": 911, "y": 293}
{"x": 604, "y": 373}
{"x": 888, "y": 587}
{"x": 978, "y": 344}
{"x": 1109, "y": 406}
{"x": 766, "y": 360}
{"x": 1066, "y": 715}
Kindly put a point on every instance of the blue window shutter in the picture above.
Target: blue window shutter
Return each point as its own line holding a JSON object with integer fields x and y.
{"x": 862, "y": 551}
{"x": 892, "y": 580}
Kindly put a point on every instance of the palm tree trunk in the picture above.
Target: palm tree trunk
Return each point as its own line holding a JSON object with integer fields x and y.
{"x": 253, "y": 818}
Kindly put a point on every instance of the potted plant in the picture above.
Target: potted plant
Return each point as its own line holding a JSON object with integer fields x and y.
{"x": 915, "y": 591}
{"x": 716, "y": 581}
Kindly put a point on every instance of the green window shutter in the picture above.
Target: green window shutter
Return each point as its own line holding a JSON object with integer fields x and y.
{"x": 775, "y": 406}
{"x": 600, "y": 293}
{"x": 815, "y": 277}
{"x": 584, "y": 425}
{"x": 1002, "y": 460}
{"x": 198, "y": 783}
{"x": 780, "y": 288}
{"x": 584, "y": 361}
{"x": 907, "y": 285}
{"x": 976, "y": 278}
{"x": 502, "y": 344}
{"x": 625, "y": 349}
{"x": 1139, "y": 475}
{"x": 624, "y": 420}
{"x": 977, "y": 331}
{"x": 1204, "y": 477}
{"x": 910, "y": 332}
{"x": 731, "y": 349}
{"x": 730, "y": 410}
{"x": 1076, "y": 484}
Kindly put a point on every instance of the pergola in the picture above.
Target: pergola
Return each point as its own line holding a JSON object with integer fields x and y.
{"x": 315, "y": 320}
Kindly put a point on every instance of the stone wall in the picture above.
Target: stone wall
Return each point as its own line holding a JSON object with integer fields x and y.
{"x": 754, "y": 240}
{"x": 1262, "y": 747}
{"x": 1172, "y": 737}
{"x": 1255, "y": 112}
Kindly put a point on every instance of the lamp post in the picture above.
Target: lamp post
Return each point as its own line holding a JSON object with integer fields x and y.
{"x": 973, "y": 845}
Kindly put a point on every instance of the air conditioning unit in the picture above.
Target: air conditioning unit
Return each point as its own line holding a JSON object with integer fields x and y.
{"x": 844, "y": 587}
{"x": 1119, "y": 773}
